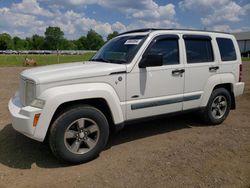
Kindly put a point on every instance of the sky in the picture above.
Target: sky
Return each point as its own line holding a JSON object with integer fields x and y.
{"x": 24, "y": 18}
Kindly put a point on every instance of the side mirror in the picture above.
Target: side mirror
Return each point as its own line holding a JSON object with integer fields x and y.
{"x": 151, "y": 60}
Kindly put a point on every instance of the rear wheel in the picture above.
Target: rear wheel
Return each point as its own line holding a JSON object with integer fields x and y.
{"x": 79, "y": 134}
{"x": 218, "y": 107}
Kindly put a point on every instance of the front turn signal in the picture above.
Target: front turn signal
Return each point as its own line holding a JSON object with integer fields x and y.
{"x": 36, "y": 119}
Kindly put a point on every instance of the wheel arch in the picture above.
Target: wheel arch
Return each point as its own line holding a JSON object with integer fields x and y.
{"x": 229, "y": 88}
{"x": 99, "y": 103}
{"x": 219, "y": 81}
{"x": 102, "y": 96}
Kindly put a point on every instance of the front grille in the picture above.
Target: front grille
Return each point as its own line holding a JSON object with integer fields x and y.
{"x": 27, "y": 91}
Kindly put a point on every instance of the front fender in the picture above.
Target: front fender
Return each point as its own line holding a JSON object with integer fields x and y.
{"x": 56, "y": 96}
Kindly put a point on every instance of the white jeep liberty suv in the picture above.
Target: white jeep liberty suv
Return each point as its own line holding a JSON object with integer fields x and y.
{"x": 138, "y": 74}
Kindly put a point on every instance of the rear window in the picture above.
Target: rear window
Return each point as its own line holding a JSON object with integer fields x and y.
{"x": 227, "y": 50}
{"x": 198, "y": 50}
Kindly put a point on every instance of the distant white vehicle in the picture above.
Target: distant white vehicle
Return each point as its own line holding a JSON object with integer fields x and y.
{"x": 138, "y": 74}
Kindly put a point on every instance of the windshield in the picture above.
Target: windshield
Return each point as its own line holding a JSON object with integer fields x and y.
{"x": 120, "y": 50}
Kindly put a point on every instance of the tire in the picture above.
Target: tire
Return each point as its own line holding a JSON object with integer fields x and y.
{"x": 218, "y": 107}
{"x": 79, "y": 134}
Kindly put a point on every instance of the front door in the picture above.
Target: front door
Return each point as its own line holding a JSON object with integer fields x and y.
{"x": 157, "y": 90}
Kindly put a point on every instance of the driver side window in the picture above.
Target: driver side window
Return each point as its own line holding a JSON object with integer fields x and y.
{"x": 168, "y": 48}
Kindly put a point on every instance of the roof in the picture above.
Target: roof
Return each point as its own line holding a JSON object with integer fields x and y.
{"x": 242, "y": 35}
{"x": 162, "y": 29}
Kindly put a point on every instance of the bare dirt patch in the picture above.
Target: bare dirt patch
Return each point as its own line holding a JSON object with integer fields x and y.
{"x": 172, "y": 152}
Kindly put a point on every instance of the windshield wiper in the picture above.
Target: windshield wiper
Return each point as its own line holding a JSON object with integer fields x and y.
{"x": 101, "y": 60}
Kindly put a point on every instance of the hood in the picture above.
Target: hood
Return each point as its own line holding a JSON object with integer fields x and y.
{"x": 70, "y": 71}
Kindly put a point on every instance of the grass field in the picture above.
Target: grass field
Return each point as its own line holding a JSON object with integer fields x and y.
{"x": 246, "y": 59}
{"x": 17, "y": 60}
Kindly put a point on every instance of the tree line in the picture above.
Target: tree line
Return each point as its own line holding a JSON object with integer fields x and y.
{"x": 54, "y": 39}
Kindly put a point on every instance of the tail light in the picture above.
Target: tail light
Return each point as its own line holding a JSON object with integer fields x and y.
{"x": 240, "y": 73}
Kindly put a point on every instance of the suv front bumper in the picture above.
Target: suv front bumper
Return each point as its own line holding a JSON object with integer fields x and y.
{"x": 23, "y": 117}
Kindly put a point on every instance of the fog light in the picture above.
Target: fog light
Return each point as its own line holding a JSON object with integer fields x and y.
{"x": 36, "y": 118}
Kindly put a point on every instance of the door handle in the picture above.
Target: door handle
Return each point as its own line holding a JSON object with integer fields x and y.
{"x": 135, "y": 96}
{"x": 213, "y": 69}
{"x": 178, "y": 72}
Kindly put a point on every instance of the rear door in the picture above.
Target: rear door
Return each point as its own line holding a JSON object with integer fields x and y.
{"x": 229, "y": 59}
{"x": 200, "y": 65}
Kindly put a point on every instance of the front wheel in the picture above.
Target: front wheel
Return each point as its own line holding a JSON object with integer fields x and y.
{"x": 218, "y": 107}
{"x": 79, "y": 134}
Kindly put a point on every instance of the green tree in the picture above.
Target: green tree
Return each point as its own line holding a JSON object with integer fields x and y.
{"x": 5, "y": 41}
{"x": 72, "y": 45}
{"x": 112, "y": 35}
{"x": 19, "y": 44}
{"x": 28, "y": 43}
{"x": 68, "y": 45}
{"x": 53, "y": 38}
{"x": 81, "y": 43}
{"x": 94, "y": 40}
{"x": 37, "y": 42}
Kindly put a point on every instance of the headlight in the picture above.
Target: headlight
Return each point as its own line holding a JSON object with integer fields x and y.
{"x": 30, "y": 91}
{"x": 38, "y": 103}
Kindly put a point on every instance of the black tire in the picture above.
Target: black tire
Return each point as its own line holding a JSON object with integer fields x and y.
{"x": 207, "y": 114}
{"x": 61, "y": 125}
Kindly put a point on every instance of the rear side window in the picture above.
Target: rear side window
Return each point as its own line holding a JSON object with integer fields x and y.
{"x": 227, "y": 50}
{"x": 198, "y": 49}
{"x": 169, "y": 48}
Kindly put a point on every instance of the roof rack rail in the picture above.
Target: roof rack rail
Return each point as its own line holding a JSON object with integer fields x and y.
{"x": 140, "y": 30}
{"x": 162, "y": 29}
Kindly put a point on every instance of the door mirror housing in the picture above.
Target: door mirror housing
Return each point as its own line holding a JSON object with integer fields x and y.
{"x": 151, "y": 60}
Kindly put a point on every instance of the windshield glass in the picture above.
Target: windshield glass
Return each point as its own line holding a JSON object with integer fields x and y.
{"x": 120, "y": 50}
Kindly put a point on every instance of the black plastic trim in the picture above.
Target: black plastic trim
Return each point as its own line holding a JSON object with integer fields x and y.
{"x": 165, "y": 115}
{"x": 121, "y": 72}
{"x": 164, "y": 102}
{"x": 190, "y": 98}
{"x": 197, "y": 37}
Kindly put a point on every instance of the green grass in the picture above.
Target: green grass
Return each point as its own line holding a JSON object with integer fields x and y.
{"x": 246, "y": 59}
{"x": 17, "y": 60}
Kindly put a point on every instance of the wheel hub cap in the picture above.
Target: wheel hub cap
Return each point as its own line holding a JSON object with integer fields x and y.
{"x": 219, "y": 107}
{"x": 82, "y": 135}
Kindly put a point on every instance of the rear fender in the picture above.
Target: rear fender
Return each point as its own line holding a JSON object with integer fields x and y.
{"x": 212, "y": 82}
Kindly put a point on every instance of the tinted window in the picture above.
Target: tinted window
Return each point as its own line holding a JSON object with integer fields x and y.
{"x": 199, "y": 50}
{"x": 169, "y": 48}
{"x": 227, "y": 50}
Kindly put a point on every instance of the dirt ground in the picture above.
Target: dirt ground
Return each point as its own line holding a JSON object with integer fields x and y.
{"x": 172, "y": 152}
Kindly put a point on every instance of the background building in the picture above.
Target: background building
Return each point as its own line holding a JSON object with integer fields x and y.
{"x": 243, "y": 39}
